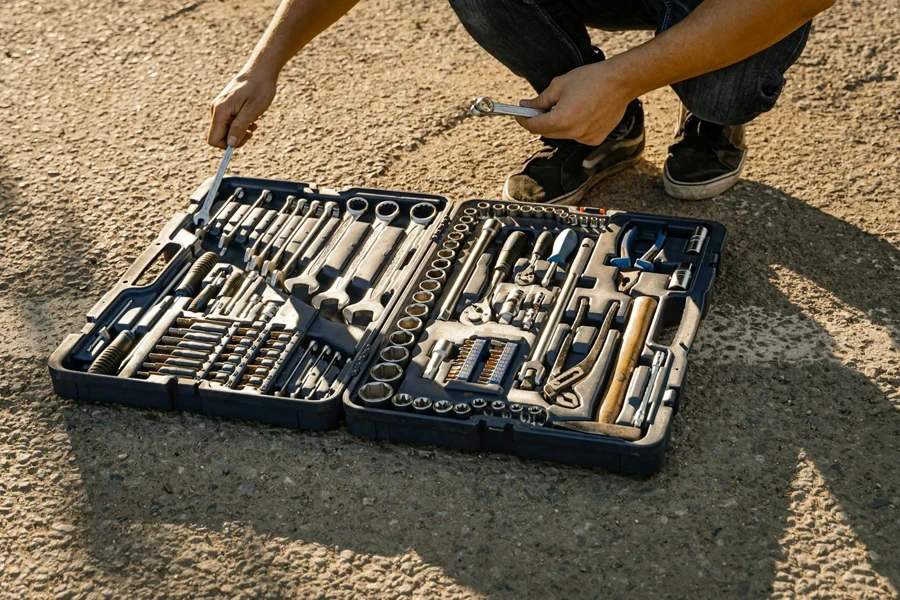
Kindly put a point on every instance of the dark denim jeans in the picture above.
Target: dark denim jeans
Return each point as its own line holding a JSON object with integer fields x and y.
{"x": 541, "y": 39}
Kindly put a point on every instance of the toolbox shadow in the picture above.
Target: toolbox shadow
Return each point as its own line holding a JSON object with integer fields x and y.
{"x": 520, "y": 528}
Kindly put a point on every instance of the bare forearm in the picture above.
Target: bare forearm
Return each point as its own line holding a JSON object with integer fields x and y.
{"x": 294, "y": 25}
{"x": 718, "y": 33}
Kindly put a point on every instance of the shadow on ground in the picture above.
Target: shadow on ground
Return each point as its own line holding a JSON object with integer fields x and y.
{"x": 710, "y": 521}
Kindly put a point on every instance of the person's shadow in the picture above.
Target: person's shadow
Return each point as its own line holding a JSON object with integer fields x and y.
{"x": 780, "y": 438}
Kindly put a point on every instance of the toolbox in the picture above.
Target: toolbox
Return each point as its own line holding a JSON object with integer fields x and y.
{"x": 544, "y": 331}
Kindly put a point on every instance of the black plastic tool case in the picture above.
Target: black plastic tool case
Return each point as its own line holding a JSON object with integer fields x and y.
{"x": 390, "y": 351}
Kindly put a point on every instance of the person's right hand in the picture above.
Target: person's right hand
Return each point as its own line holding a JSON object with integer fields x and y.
{"x": 236, "y": 108}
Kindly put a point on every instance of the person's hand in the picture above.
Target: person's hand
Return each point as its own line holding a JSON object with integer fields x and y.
{"x": 236, "y": 108}
{"x": 587, "y": 103}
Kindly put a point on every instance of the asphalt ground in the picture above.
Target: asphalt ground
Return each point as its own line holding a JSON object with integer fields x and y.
{"x": 782, "y": 477}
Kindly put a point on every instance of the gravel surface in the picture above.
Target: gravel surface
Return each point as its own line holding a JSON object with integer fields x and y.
{"x": 782, "y": 478}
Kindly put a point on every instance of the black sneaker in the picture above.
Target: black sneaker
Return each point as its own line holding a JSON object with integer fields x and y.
{"x": 705, "y": 160}
{"x": 564, "y": 170}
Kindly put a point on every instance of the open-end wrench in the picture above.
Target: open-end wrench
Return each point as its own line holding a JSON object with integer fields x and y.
{"x": 201, "y": 217}
{"x": 385, "y": 212}
{"x": 330, "y": 211}
{"x": 279, "y": 231}
{"x": 541, "y": 247}
{"x": 485, "y": 107}
{"x": 483, "y": 311}
{"x": 356, "y": 207}
{"x": 488, "y": 231}
{"x": 273, "y": 263}
{"x": 420, "y": 216}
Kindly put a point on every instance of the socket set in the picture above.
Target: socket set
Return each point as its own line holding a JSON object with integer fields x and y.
{"x": 551, "y": 332}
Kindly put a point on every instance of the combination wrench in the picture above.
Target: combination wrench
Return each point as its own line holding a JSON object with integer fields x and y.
{"x": 328, "y": 213}
{"x": 421, "y": 215}
{"x": 201, "y": 217}
{"x": 256, "y": 260}
{"x": 356, "y": 207}
{"x": 385, "y": 213}
{"x": 485, "y": 107}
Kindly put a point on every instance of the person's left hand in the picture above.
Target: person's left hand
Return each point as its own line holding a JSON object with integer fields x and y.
{"x": 587, "y": 103}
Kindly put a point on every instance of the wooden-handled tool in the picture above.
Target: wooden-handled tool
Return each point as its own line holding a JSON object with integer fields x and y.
{"x": 642, "y": 311}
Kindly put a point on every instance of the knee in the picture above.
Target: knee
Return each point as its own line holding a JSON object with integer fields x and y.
{"x": 720, "y": 97}
{"x": 479, "y": 17}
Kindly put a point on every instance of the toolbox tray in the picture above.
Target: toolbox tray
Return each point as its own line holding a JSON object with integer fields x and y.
{"x": 672, "y": 330}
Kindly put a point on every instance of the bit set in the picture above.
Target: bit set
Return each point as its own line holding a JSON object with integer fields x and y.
{"x": 545, "y": 331}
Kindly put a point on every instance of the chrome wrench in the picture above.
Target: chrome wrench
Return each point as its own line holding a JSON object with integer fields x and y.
{"x": 385, "y": 213}
{"x": 329, "y": 212}
{"x": 485, "y": 107}
{"x": 271, "y": 230}
{"x": 255, "y": 262}
{"x": 420, "y": 216}
{"x": 273, "y": 263}
{"x": 201, "y": 217}
{"x": 356, "y": 207}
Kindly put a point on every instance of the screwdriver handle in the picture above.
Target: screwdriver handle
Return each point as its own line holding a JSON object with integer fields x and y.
{"x": 542, "y": 245}
{"x": 512, "y": 251}
{"x": 563, "y": 246}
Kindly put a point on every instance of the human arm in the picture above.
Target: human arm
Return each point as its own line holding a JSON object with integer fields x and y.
{"x": 589, "y": 101}
{"x": 249, "y": 94}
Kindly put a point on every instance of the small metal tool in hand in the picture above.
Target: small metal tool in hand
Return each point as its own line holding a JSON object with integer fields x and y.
{"x": 201, "y": 217}
{"x": 484, "y": 107}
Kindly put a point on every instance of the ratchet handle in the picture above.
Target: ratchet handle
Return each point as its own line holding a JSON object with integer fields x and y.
{"x": 512, "y": 251}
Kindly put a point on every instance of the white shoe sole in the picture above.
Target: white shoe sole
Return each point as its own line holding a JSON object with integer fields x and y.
{"x": 701, "y": 191}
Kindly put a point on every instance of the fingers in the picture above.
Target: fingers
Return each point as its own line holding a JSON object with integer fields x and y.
{"x": 551, "y": 124}
{"x": 218, "y": 126}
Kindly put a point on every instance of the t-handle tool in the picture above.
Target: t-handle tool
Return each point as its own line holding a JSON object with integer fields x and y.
{"x": 201, "y": 217}
{"x": 485, "y": 107}
{"x": 562, "y": 248}
{"x": 541, "y": 247}
{"x": 483, "y": 311}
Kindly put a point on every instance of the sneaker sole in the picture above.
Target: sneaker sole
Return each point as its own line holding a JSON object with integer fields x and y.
{"x": 579, "y": 192}
{"x": 702, "y": 190}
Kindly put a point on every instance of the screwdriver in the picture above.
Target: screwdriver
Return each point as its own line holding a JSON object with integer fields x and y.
{"x": 563, "y": 246}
